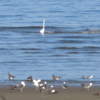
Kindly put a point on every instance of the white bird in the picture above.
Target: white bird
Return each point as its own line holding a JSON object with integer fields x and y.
{"x": 43, "y": 29}
{"x": 36, "y": 83}
{"x": 21, "y": 86}
{"x": 45, "y": 85}
{"x": 64, "y": 86}
{"x": 87, "y": 77}
{"x": 86, "y": 86}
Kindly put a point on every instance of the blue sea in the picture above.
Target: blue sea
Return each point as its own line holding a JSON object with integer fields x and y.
{"x": 70, "y": 47}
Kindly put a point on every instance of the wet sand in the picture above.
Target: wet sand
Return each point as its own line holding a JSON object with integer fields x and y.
{"x": 29, "y": 93}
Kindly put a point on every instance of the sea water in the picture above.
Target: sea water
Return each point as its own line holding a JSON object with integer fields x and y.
{"x": 70, "y": 47}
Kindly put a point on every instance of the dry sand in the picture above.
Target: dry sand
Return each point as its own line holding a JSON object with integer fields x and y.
{"x": 29, "y": 93}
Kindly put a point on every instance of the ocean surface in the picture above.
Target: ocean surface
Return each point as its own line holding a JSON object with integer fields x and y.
{"x": 70, "y": 47}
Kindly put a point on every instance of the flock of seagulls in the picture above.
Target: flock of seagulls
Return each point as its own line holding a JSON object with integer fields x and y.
{"x": 43, "y": 86}
{"x": 38, "y": 84}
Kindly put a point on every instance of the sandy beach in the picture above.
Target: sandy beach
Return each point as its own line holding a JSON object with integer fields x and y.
{"x": 29, "y": 93}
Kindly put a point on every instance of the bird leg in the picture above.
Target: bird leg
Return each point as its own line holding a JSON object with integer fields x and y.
{"x": 87, "y": 89}
{"x": 36, "y": 88}
{"x": 21, "y": 89}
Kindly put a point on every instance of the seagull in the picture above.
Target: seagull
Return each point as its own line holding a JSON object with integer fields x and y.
{"x": 52, "y": 90}
{"x": 43, "y": 87}
{"x": 20, "y": 86}
{"x": 36, "y": 83}
{"x": 43, "y": 29}
{"x": 55, "y": 77}
{"x": 87, "y": 77}
{"x": 64, "y": 86}
{"x": 30, "y": 78}
{"x": 10, "y": 76}
{"x": 86, "y": 86}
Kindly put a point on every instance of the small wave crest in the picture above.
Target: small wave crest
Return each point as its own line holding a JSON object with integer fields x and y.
{"x": 49, "y": 29}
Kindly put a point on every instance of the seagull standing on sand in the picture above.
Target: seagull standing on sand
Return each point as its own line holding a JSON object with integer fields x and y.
{"x": 43, "y": 87}
{"x": 20, "y": 86}
{"x": 86, "y": 86}
{"x": 64, "y": 86}
{"x": 55, "y": 77}
{"x": 36, "y": 83}
{"x": 10, "y": 76}
{"x": 43, "y": 29}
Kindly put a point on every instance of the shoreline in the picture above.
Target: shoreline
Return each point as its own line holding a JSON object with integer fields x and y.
{"x": 29, "y": 93}
{"x": 51, "y": 82}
